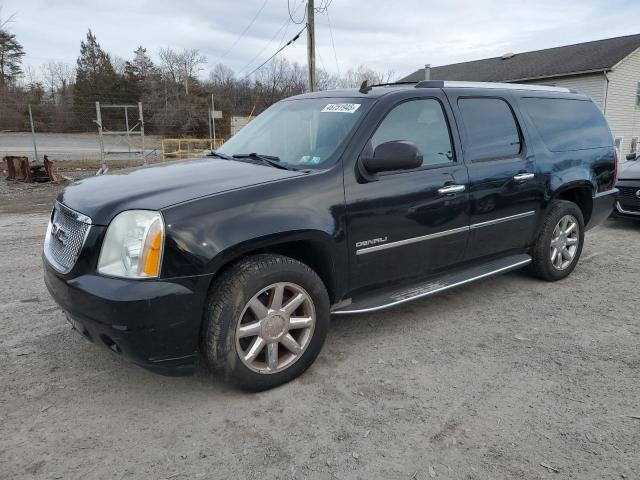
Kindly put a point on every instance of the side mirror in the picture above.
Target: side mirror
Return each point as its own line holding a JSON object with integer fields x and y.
{"x": 390, "y": 156}
{"x": 631, "y": 156}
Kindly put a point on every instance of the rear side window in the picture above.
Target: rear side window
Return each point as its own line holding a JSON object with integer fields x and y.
{"x": 421, "y": 122}
{"x": 492, "y": 132}
{"x": 567, "y": 124}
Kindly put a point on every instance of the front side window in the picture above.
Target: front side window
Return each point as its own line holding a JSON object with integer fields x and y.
{"x": 300, "y": 133}
{"x": 421, "y": 122}
{"x": 491, "y": 129}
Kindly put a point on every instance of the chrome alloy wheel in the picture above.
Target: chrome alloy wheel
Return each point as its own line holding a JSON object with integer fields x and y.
{"x": 275, "y": 328}
{"x": 564, "y": 243}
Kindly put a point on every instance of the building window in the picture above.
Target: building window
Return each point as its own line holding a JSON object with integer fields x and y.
{"x": 638, "y": 95}
{"x": 634, "y": 145}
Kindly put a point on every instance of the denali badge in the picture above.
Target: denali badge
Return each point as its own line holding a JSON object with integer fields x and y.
{"x": 369, "y": 243}
{"x": 58, "y": 233}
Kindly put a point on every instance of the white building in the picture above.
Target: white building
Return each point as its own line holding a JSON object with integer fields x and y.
{"x": 606, "y": 70}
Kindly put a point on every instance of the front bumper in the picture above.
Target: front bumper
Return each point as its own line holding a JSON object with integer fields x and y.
{"x": 154, "y": 324}
{"x": 626, "y": 205}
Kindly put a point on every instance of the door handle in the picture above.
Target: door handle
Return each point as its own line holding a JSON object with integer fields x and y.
{"x": 451, "y": 189}
{"x": 523, "y": 177}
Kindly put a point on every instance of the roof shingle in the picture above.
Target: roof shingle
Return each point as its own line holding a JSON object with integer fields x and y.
{"x": 571, "y": 59}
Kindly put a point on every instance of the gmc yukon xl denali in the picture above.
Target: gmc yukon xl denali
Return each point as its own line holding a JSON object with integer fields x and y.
{"x": 337, "y": 202}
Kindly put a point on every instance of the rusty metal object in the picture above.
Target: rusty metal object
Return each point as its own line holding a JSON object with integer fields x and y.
{"x": 19, "y": 169}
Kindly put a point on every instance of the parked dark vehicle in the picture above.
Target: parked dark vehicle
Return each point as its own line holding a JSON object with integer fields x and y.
{"x": 334, "y": 202}
{"x": 628, "y": 202}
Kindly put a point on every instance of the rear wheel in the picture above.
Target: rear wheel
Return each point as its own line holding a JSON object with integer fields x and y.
{"x": 559, "y": 245}
{"x": 266, "y": 320}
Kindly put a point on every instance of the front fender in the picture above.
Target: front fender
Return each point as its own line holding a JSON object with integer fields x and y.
{"x": 206, "y": 233}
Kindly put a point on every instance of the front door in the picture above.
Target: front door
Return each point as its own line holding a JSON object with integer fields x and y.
{"x": 505, "y": 194}
{"x": 409, "y": 223}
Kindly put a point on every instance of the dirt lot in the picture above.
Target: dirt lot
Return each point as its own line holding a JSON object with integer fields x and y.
{"x": 508, "y": 378}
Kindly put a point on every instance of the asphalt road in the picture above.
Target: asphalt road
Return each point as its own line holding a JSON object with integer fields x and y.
{"x": 508, "y": 378}
{"x": 75, "y": 146}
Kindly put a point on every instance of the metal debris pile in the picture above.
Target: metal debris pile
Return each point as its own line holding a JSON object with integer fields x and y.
{"x": 19, "y": 169}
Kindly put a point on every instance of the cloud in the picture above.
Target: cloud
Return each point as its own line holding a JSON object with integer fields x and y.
{"x": 385, "y": 35}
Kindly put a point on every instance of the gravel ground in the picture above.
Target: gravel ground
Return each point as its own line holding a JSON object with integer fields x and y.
{"x": 507, "y": 378}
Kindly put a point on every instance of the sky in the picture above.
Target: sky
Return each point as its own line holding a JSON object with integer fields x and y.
{"x": 399, "y": 36}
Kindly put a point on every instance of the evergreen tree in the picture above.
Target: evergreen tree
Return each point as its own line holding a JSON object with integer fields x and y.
{"x": 141, "y": 67}
{"x": 11, "y": 53}
{"x": 96, "y": 79}
{"x": 138, "y": 73}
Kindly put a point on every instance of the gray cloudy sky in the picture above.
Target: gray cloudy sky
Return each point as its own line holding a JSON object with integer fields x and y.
{"x": 385, "y": 35}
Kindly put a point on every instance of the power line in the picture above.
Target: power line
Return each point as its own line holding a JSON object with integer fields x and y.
{"x": 335, "y": 55}
{"x": 243, "y": 32}
{"x": 285, "y": 27}
{"x": 266, "y": 45}
{"x": 277, "y": 52}
{"x": 304, "y": 15}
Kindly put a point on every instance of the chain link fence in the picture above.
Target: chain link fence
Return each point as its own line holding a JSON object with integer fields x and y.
{"x": 92, "y": 134}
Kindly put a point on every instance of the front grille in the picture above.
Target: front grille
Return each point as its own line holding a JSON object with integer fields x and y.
{"x": 628, "y": 198}
{"x": 65, "y": 237}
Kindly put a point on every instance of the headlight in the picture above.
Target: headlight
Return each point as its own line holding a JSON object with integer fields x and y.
{"x": 133, "y": 245}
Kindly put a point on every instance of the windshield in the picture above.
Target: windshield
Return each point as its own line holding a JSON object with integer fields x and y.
{"x": 300, "y": 133}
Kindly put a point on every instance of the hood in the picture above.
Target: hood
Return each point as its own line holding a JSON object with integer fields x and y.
{"x": 629, "y": 170}
{"x": 160, "y": 186}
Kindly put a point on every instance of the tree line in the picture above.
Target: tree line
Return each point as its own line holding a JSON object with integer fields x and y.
{"x": 174, "y": 91}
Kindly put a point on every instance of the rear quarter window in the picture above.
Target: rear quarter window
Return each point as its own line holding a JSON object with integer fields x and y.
{"x": 567, "y": 124}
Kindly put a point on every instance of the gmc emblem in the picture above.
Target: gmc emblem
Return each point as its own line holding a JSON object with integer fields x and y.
{"x": 58, "y": 233}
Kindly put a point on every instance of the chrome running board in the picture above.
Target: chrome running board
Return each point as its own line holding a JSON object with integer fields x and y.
{"x": 379, "y": 300}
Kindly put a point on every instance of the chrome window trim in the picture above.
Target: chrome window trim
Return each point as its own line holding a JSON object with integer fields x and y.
{"x": 453, "y": 231}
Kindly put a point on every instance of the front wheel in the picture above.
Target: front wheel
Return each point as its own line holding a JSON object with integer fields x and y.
{"x": 266, "y": 319}
{"x": 559, "y": 245}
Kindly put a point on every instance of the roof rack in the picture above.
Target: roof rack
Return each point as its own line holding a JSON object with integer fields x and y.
{"x": 491, "y": 85}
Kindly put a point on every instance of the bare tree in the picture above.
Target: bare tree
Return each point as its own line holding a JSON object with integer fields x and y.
{"x": 354, "y": 78}
{"x": 57, "y": 76}
{"x": 119, "y": 64}
{"x": 182, "y": 67}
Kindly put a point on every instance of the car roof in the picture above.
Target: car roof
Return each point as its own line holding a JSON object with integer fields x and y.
{"x": 377, "y": 91}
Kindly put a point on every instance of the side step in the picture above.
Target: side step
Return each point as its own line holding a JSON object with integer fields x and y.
{"x": 379, "y": 300}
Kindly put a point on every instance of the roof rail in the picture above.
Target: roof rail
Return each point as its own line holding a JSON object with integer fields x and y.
{"x": 490, "y": 85}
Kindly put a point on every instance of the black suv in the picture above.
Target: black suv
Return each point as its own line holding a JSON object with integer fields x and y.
{"x": 337, "y": 202}
{"x": 628, "y": 202}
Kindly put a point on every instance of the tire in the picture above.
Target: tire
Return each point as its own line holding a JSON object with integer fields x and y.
{"x": 232, "y": 330}
{"x": 542, "y": 265}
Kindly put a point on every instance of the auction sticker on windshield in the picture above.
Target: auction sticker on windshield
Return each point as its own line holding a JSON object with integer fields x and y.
{"x": 341, "y": 107}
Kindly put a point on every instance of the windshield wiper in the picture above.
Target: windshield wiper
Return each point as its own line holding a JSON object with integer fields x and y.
{"x": 270, "y": 160}
{"x": 213, "y": 153}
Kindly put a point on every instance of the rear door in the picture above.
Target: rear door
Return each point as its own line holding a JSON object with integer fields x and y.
{"x": 505, "y": 192}
{"x": 409, "y": 223}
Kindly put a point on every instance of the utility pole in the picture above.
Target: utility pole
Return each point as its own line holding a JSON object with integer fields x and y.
{"x": 33, "y": 135}
{"x": 311, "y": 46}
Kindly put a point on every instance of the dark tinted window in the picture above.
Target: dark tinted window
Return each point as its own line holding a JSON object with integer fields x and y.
{"x": 491, "y": 129}
{"x": 566, "y": 124}
{"x": 421, "y": 122}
